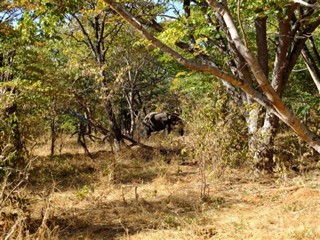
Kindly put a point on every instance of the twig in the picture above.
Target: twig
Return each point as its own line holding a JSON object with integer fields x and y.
{"x": 240, "y": 24}
{"x": 44, "y": 227}
{"x": 136, "y": 193}
{"x": 5, "y": 183}
{"x": 122, "y": 194}
{"x": 13, "y": 228}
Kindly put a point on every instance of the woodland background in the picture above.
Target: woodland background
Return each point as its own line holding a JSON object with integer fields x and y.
{"x": 77, "y": 77}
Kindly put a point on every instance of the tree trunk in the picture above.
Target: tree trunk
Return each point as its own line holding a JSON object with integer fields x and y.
{"x": 116, "y": 134}
{"x": 129, "y": 95}
{"x": 260, "y": 140}
{"x": 132, "y": 114}
{"x": 115, "y": 127}
{"x": 264, "y": 155}
{"x": 53, "y": 135}
{"x": 13, "y": 120}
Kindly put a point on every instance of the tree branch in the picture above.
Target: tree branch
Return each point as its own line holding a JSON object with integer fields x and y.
{"x": 240, "y": 23}
{"x": 316, "y": 5}
{"x": 312, "y": 66}
{"x": 89, "y": 42}
{"x": 257, "y": 96}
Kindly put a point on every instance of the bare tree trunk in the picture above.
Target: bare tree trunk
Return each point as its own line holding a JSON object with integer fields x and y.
{"x": 132, "y": 114}
{"x": 257, "y": 145}
{"x": 129, "y": 95}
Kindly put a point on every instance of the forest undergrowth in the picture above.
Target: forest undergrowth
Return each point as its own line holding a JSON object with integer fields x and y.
{"x": 147, "y": 194}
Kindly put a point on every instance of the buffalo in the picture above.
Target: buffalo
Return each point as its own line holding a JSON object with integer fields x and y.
{"x": 157, "y": 121}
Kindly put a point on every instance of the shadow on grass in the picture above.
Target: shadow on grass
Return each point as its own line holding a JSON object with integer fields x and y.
{"x": 66, "y": 171}
{"x": 113, "y": 219}
{"x": 73, "y": 171}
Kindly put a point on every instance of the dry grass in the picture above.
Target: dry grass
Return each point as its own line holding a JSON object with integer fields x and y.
{"x": 137, "y": 195}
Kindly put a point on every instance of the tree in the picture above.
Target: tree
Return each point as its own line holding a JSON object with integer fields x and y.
{"x": 118, "y": 72}
{"x": 9, "y": 125}
{"x": 296, "y": 22}
{"x": 97, "y": 36}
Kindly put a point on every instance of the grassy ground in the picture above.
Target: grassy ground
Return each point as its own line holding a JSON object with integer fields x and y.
{"x": 137, "y": 195}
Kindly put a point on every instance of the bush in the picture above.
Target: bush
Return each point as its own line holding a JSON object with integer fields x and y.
{"x": 217, "y": 135}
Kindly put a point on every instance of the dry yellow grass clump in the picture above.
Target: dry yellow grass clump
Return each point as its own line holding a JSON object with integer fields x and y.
{"x": 137, "y": 195}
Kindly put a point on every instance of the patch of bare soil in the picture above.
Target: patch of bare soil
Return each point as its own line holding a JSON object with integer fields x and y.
{"x": 302, "y": 194}
{"x": 137, "y": 195}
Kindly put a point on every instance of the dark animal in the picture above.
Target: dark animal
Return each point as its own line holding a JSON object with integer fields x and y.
{"x": 157, "y": 121}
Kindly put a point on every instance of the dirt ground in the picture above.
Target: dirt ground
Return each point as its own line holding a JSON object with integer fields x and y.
{"x": 138, "y": 195}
